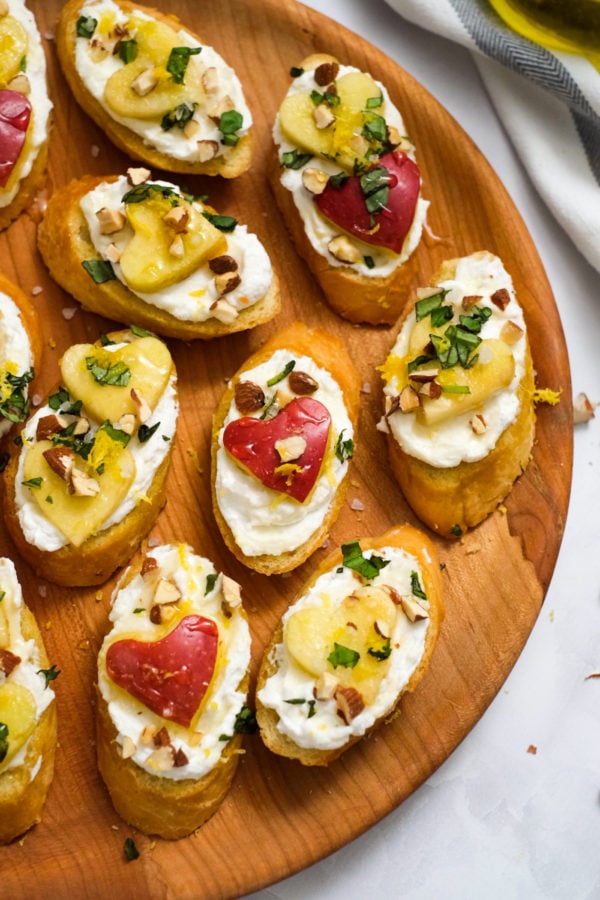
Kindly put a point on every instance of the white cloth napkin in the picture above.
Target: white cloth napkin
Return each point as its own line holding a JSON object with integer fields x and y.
{"x": 548, "y": 102}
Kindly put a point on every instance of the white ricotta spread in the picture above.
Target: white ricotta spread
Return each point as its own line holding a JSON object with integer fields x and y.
{"x": 318, "y": 229}
{"x": 37, "y": 96}
{"x": 95, "y": 69}
{"x": 222, "y": 703}
{"x": 148, "y": 456}
{"x": 27, "y": 672}
{"x": 454, "y": 441}
{"x": 263, "y": 520}
{"x": 16, "y": 357}
{"x": 325, "y": 730}
{"x": 191, "y": 298}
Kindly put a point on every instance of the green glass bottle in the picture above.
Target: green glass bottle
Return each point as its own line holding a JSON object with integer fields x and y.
{"x": 572, "y": 26}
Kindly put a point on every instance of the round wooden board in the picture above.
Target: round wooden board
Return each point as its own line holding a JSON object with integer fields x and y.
{"x": 280, "y": 817}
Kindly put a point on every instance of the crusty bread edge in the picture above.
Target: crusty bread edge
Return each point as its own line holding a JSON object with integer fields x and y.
{"x": 28, "y": 188}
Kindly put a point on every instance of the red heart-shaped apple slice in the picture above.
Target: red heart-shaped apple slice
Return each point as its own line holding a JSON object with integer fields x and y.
{"x": 269, "y": 448}
{"x": 170, "y": 676}
{"x": 15, "y": 112}
{"x": 346, "y": 205}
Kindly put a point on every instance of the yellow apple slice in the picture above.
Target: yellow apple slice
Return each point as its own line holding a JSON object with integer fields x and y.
{"x": 145, "y": 364}
{"x": 148, "y": 263}
{"x": 13, "y": 48}
{"x": 297, "y": 121}
{"x": 359, "y": 624}
{"x": 18, "y": 714}
{"x": 110, "y": 464}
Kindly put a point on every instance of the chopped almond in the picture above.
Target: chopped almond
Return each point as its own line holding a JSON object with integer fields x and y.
{"x": 511, "y": 332}
{"x": 583, "y": 409}
{"x": 110, "y": 220}
{"x": 349, "y": 703}
{"x": 145, "y": 82}
{"x": 409, "y": 399}
{"x": 177, "y": 218}
{"x": 137, "y": 175}
{"x": 323, "y": 116}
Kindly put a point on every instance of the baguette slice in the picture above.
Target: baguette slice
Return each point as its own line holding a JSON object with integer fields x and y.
{"x": 358, "y": 636}
{"x": 27, "y": 767}
{"x": 167, "y": 776}
{"x": 20, "y": 352}
{"x": 209, "y": 88}
{"x": 453, "y": 493}
{"x": 65, "y": 244}
{"x": 362, "y": 281}
{"x": 24, "y": 157}
{"x": 76, "y": 526}
{"x": 265, "y": 526}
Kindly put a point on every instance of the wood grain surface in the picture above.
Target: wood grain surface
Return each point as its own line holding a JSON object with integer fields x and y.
{"x": 280, "y": 817}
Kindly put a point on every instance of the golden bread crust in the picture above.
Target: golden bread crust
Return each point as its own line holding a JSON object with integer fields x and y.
{"x": 412, "y": 541}
{"x": 330, "y": 353}
{"x": 64, "y": 243}
{"x": 28, "y": 188}
{"x": 21, "y": 799}
{"x": 237, "y": 162}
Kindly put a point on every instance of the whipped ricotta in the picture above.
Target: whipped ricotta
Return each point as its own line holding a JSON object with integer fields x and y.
{"x": 189, "y": 300}
{"x": 318, "y": 229}
{"x": 148, "y": 456}
{"x": 41, "y": 106}
{"x": 16, "y": 357}
{"x": 27, "y": 672}
{"x": 261, "y": 519}
{"x": 454, "y": 441}
{"x": 324, "y": 729}
{"x": 95, "y": 69}
{"x": 201, "y": 590}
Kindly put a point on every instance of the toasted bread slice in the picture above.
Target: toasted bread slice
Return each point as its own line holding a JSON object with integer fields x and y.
{"x": 20, "y": 352}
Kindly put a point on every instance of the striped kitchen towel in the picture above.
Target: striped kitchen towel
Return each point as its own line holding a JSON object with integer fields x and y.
{"x": 548, "y": 102}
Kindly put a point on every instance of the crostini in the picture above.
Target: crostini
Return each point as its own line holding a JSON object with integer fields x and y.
{"x": 360, "y": 634}
{"x": 348, "y": 186}
{"x": 282, "y": 440}
{"x": 27, "y": 712}
{"x": 154, "y": 88}
{"x": 143, "y": 252}
{"x": 459, "y": 395}
{"x": 20, "y": 354}
{"x": 25, "y": 110}
{"x": 90, "y": 478}
{"x": 172, "y": 683}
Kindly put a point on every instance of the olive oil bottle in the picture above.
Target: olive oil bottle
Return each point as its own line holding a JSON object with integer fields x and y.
{"x": 572, "y": 26}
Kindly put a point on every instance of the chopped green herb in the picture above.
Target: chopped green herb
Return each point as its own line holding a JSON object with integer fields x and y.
{"x": 23, "y": 64}
{"x": 296, "y": 701}
{"x": 99, "y": 270}
{"x": 62, "y": 399}
{"x": 374, "y": 102}
{"x": 139, "y": 332}
{"x": 116, "y": 434}
{"x": 283, "y": 374}
{"x": 473, "y": 322}
{"x": 294, "y": 159}
{"x": 15, "y": 406}
{"x": 456, "y": 389}
{"x": 226, "y": 224}
{"x": 331, "y": 98}
{"x": 415, "y": 586}
{"x": 230, "y": 122}
{"x": 178, "y": 117}
{"x": 145, "y": 432}
{"x": 456, "y": 530}
{"x": 106, "y": 341}
{"x": 49, "y": 674}
{"x": 382, "y": 652}
{"x": 375, "y": 185}
{"x": 311, "y": 708}
{"x": 49, "y": 499}
{"x": 343, "y": 656}
{"x": 86, "y": 26}
{"x": 142, "y": 192}
{"x": 354, "y": 559}
{"x": 344, "y": 449}
{"x": 33, "y": 482}
{"x": 128, "y": 50}
{"x": 270, "y": 409}
{"x": 2, "y": 595}
{"x": 296, "y": 71}
{"x": 245, "y": 721}
{"x": 425, "y": 306}
{"x": 375, "y": 128}
{"x": 338, "y": 180}
{"x": 3, "y": 741}
{"x": 138, "y": 610}
{"x": 177, "y": 63}
{"x": 130, "y": 851}
{"x": 369, "y": 262}
{"x": 116, "y": 374}
{"x": 211, "y": 580}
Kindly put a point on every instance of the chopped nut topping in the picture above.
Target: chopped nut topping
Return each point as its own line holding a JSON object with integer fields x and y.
{"x": 126, "y": 423}
{"x": 128, "y": 748}
{"x": 314, "y": 180}
{"x": 143, "y": 410}
{"x": 3, "y": 8}
{"x": 323, "y": 116}
{"x": 224, "y": 312}
{"x": 382, "y": 629}
{"x": 393, "y": 135}
{"x": 325, "y": 686}
{"x": 392, "y": 404}
{"x": 478, "y": 424}
{"x": 48, "y": 426}
{"x": 409, "y": 399}
{"x": 210, "y": 80}
{"x": 207, "y": 150}
{"x": 83, "y": 485}
{"x": 82, "y": 426}
{"x": 511, "y": 332}
{"x": 110, "y": 220}
{"x": 302, "y": 383}
{"x": 147, "y": 734}
{"x": 583, "y": 409}
{"x": 282, "y": 398}
{"x": 161, "y": 738}
{"x": 166, "y": 592}
{"x": 177, "y": 218}
{"x": 470, "y": 300}
{"x": 8, "y": 661}
{"x": 249, "y": 397}
{"x": 290, "y": 448}
{"x": 61, "y": 460}
{"x": 113, "y": 253}
{"x": 20, "y": 83}
{"x": 179, "y": 758}
{"x": 216, "y": 110}
{"x": 358, "y": 144}
{"x": 392, "y": 593}
{"x": 161, "y": 759}
{"x": 349, "y": 703}
{"x": 150, "y": 564}
{"x": 232, "y": 595}
{"x": 343, "y": 249}
{"x": 191, "y": 128}
{"x": 326, "y": 73}
{"x": 221, "y": 264}
{"x": 412, "y": 609}
{"x": 422, "y": 376}
{"x": 500, "y": 298}
{"x": 227, "y": 282}
{"x": 431, "y": 389}
{"x": 145, "y": 82}
{"x": 137, "y": 175}
{"x": 176, "y": 247}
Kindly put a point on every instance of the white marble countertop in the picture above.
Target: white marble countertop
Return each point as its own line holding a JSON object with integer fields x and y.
{"x": 497, "y": 821}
